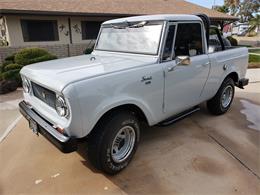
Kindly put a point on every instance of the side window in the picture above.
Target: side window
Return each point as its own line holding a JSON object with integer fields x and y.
{"x": 188, "y": 40}
{"x": 169, "y": 43}
{"x": 214, "y": 43}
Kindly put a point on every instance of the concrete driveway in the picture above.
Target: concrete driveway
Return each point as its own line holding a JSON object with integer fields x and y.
{"x": 9, "y": 114}
{"x": 201, "y": 154}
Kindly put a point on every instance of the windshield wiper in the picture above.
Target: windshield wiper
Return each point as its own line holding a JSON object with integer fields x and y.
{"x": 118, "y": 27}
{"x": 138, "y": 25}
{"x": 129, "y": 25}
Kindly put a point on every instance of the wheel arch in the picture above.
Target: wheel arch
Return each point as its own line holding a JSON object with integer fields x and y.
{"x": 127, "y": 107}
{"x": 233, "y": 76}
{"x": 139, "y": 111}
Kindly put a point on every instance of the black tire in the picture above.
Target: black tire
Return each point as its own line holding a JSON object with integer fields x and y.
{"x": 102, "y": 138}
{"x": 215, "y": 105}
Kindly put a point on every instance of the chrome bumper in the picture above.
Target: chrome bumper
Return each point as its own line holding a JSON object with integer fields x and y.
{"x": 63, "y": 143}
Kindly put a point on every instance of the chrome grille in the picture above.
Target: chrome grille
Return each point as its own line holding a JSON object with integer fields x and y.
{"x": 45, "y": 95}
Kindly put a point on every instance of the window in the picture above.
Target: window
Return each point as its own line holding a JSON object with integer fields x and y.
{"x": 90, "y": 29}
{"x": 216, "y": 41}
{"x": 39, "y": 30}
{"x": 188, "y": 40}
{"x": 128, "y": 37}
{"x": 167, "y": 52}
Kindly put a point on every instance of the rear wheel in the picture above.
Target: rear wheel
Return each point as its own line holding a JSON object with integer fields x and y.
{"x": 114, "y": 141}
{"x": 222, "y": 101}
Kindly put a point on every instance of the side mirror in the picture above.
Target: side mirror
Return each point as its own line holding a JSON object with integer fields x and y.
{"x": 182, "y": 60}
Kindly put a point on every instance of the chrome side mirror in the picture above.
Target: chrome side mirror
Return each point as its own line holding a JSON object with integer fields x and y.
{"x": 183, "y": 60}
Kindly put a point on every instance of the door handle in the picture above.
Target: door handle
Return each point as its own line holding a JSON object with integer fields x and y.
{"x": 170, "y": 68}
{"x": 146, "y": 78}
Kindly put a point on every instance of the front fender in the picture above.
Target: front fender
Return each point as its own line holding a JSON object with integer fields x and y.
{"x": 110, "y": 104}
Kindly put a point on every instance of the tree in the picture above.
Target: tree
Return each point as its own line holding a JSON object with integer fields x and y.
{"x": 247, "y": 8}
{"x": 233, "y": 5}
{"x": 254, "y": 23}
{"x": 223, "y": 9}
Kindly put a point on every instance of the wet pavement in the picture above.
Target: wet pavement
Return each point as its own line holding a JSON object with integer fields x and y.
{"x": 202, "y": 154}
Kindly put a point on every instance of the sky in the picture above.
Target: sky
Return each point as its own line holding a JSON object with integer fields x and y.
{"x": 207, "y": 3}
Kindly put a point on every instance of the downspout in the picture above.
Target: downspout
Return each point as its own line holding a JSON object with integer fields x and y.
{"x": 70, "y": 35}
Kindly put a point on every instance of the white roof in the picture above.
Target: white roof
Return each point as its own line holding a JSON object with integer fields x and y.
{"x": 160, "y": 17}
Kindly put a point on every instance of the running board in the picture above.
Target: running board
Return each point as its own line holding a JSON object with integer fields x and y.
{"x": 180, "y": 116}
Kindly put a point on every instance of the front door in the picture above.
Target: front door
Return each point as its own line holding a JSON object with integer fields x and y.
{"x": 184, "y": 83}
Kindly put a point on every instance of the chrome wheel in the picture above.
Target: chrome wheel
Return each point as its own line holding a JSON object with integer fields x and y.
{"x": 227, "y": 96}
{"x": 123, "y": 144}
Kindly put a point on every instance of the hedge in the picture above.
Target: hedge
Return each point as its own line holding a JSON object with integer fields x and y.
{"x": 32, "y": 55}
{"x": 10, "y": 69}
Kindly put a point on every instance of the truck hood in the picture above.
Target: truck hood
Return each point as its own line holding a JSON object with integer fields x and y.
{"x": 57, "y": 74}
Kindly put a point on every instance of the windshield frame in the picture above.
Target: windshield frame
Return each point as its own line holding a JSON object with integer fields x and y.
{"x": 110, "y": 25}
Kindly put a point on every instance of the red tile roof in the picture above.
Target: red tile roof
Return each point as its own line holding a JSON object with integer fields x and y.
{"x": 107, "y": 7}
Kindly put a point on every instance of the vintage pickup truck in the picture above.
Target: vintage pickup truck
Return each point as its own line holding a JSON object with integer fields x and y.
{"x": 156, "y": 69}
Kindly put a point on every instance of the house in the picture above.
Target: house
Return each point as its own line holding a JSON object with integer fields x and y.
{"x": 67, "y": 28}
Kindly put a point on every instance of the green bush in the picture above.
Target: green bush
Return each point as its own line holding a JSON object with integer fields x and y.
{"x": 12, "y": 75}
{"x": 7, "y": 62}
{"x": 12, "y": 67}
{"x": 41, "y": 59}
{"x": 233, "y": 41}
{"x": 4, "y": 64}
{"x": 32, "y": 55}
{"x": 10, "y": 58}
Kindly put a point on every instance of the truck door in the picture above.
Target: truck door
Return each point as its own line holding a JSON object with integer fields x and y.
{"x": 184, "y": 83}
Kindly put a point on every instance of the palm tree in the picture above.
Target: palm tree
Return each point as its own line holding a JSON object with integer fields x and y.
{"x": 254, "y": 24}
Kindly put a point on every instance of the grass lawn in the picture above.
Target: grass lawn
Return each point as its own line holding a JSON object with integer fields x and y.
{"x": 254, "y": 61}
{"x": 254, "y": 51}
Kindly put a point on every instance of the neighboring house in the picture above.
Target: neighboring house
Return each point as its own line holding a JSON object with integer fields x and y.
{"x": 73, "y": 25}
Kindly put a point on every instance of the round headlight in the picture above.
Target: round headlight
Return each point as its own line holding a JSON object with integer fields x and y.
{"x": 26, "y": 85}
{"x": 61, "y": 106}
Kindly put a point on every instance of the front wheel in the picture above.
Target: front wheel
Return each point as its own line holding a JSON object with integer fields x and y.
{"x": 114, "y": 141}
{"x": 221, "y": 102}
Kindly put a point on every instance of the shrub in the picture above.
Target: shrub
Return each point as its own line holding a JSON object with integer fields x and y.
{"x": 10, "y": 58}
{"x": 32, "y": 55}
{"x": 5, "y": 63}
{"x": 12, "y": 67}
{"x": 12, "y": 75}
{"x": 42, "y": 58}
{"x": 7, "y": 86}
{"x": 233, "y": 41}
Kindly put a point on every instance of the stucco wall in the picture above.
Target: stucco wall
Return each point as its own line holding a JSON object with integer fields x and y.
{"x": 15, "y": 31}
{"x": 15, "y": 36}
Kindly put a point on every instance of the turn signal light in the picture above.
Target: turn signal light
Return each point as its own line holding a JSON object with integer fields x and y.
{"x": 59, "y": 129}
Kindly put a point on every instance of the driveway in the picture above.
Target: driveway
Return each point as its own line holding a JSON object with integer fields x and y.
{"x": 201, "y": 154}
{"x": 9, "y": 114}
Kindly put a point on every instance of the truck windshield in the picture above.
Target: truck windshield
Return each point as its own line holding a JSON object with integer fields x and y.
{"x": 139, "y": 38}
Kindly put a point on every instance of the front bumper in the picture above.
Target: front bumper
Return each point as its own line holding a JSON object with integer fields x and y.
{"x": 242, "y": 82}
{"x": 63, "y": 143}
